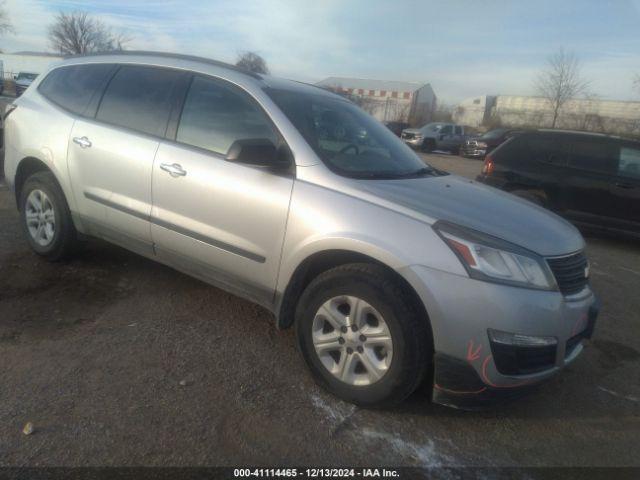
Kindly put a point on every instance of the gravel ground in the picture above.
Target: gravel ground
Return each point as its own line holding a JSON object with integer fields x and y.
{"x": 120, "y": 361}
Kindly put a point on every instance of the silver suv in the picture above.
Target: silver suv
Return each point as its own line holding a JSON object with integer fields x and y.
{"x": 392, "y": 272}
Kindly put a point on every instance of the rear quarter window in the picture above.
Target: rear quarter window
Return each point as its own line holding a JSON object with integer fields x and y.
{"x": 73, "y": 87}
{"x": 629, "y": 161}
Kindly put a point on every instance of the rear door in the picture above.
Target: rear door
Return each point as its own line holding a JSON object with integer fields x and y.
{"x": 111, "y": 156}
{"x": 592, "y": 167}
{"x": 625, "y": 188}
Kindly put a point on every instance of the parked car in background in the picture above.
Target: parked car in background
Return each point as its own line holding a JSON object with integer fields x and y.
{"x": 591, "y": 179}
{"x": 396, "y": 127}
{"x": 391, "y": 271}
{"x": 437, "y": 136}
{"x": 23, "y": 80}
{"x": 478, "y": 147}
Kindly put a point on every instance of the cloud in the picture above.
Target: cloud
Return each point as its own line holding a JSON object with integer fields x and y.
{"x": 462, "y": 50}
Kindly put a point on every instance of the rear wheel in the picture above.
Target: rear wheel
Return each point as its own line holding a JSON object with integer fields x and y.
{"x": 361, "y": 335}
{"x": 46, "y": 218}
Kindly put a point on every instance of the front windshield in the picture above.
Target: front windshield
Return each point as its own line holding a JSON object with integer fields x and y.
{"x": 347, "y": 140}
{"x": 432, "y": 127}
{"x": 27, "y": 76}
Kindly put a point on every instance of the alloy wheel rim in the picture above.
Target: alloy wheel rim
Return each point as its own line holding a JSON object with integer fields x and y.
{"x": 352, "y": 340}
{"x": 40, "y": 218}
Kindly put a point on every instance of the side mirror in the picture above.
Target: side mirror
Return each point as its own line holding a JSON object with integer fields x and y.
{"x": 258, "y": 152}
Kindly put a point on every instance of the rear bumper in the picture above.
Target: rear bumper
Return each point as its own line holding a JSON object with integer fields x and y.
{"x": 467, "y": 367}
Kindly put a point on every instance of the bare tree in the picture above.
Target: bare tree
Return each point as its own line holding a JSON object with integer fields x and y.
{"x": 561, "y": 81}
{"x": 5, "y": 22}
{"x": 636, "y": 82}
{"x": 77, "y": 33}
{"x": 252, "y": 62}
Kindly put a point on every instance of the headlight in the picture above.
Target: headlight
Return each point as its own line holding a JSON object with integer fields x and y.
{"x": 491, "y": 259}
{"x": 481, "y": 145}
{"x": 418, "y": 136}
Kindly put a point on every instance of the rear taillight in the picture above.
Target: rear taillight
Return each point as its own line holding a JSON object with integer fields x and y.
{"x": 487, "y": 168}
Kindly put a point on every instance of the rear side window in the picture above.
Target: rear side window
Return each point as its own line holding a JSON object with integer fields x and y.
{"x": 595, "y": 155}
{"x": 73, "y": 87}
{"x": 139, "y": 98}
{"x": 216, "y": 115}
{"x": 629, "y": 164}
{"x": 550, "y": 149}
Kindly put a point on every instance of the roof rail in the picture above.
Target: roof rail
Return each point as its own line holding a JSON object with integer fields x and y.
{"x": 178, "y": 56}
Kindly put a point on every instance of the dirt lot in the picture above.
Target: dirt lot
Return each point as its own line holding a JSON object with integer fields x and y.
{"x": 94, "y": 352}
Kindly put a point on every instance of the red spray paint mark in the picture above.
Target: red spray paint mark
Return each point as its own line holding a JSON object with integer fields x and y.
{"x": 576, "y": 327}
{"x": 486, "y": 380}
{"x": 471, "y": 353}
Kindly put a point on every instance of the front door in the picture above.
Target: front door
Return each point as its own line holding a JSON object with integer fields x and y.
{"x": 216, "y": 219}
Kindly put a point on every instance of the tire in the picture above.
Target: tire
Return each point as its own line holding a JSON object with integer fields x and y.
{"x": 61, "y": 237}
{"x": 428, "y": 145}
{"x": 387, "y": 308}
{"x": 530, "y": 196}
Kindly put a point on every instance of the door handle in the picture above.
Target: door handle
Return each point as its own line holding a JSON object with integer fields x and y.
{"x": 174, "y": 169}
{"x": 84, "y": 142}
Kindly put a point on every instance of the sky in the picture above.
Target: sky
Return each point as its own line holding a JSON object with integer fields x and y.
{"x": 463, "y": 48}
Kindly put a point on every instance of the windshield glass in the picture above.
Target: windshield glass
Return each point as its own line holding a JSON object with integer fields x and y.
{"x": 27, "y": 76}
{"x": 432, "y": 127}
{"x": 347, "y": 140}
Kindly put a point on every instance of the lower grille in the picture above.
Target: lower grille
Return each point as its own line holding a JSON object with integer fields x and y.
{"x": 571, "y": 272}
{"x": 518, "y": 360}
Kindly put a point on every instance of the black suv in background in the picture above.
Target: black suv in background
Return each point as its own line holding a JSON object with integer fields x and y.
{"x": 480, "y": 146}
{"x": 591, "y": 179}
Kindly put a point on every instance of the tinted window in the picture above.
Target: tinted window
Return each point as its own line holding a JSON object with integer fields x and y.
{"x": 548, "y": 149}
{"x": 216, "y": 115}
{"x": 73, "y": 87}
{"x": 348, "y": 140}
{"x": 595, "y": 155}
{"x": 629, "y": 164}
{"x": 446, "y": 130}
{"x": 139, "y": 98}
{"x": 458, "y": 130}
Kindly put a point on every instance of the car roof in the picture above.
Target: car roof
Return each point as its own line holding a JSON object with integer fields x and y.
{"x": 555, "y": 131}
{"x": 195, "y": 64}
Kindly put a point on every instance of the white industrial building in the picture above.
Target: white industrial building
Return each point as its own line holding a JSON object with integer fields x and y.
{"x": 29, "y": 62}
{"x": 387, "y": 100}
{"x": 588, "y": 114}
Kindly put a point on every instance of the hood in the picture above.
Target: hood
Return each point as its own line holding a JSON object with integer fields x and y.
{"x": 486, "y": 209}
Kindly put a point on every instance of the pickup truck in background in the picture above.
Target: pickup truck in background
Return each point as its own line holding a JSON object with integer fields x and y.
{"x": 437, "y": 136}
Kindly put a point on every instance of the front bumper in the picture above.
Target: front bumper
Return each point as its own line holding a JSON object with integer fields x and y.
{"x": 413, "y": 142}
{"x": 462, "y": 310}
{"x": 473, "y": 152}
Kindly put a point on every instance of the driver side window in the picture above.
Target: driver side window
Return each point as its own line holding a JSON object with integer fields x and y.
{"x": 446, "y": 130}
{"x": 215, "y": 115}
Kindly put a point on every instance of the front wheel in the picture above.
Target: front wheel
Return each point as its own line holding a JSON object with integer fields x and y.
{"x": 428, "y": 145}
{"x": 362, "y": 336}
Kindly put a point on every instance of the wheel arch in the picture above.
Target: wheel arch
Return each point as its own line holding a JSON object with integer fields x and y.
{"x": 323, "y": 260}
